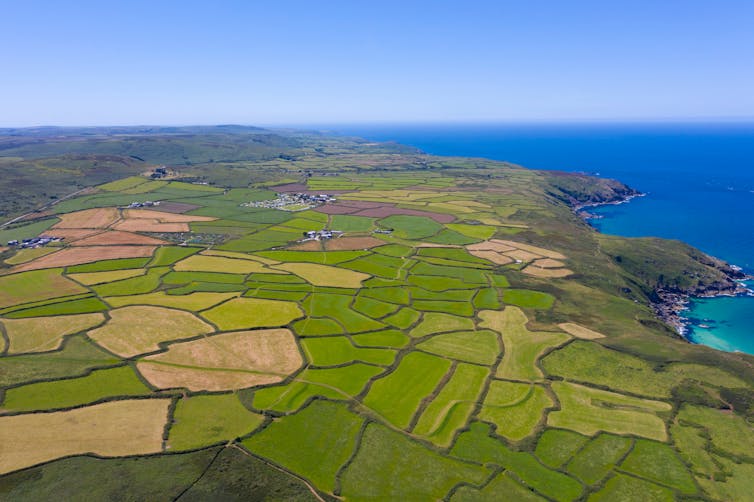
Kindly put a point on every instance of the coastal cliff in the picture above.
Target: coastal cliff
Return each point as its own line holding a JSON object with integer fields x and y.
{"x": 661, "y": 273}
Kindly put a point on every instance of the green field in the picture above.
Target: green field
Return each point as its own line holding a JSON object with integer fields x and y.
{"x": 244, "y": 313}
{"x": 239, "y": 363}
{"x": 478, "y": 445}
{"x": 523, "y": 348}
{"x": 397, "y": 396}
{"x": 315, "y": 442}
{"x": 199, "y": 421}
{"x": 588, "y": 411}
{"x": 480, "y": 347}
{"x": 332, "y": 351}
{"x": 99, "y": 384}
{"x": 342, "y": 383}
{"x": 450, "y": 410}
{"x": 76, "y": 358}
{"x": 514, "y": 408}
{"x": 388, "y": 466}
{"x": 556, "y": 447}
{"x": 36, "y": 285}
{"x": 599, "y": 457}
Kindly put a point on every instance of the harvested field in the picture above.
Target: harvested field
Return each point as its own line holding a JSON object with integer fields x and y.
{"x": 547, "y": 273}
{"x": 72, "y": 234}
{"x": 177, "y": 207}
{"x": 79, "y": 255}
{"x": 101, "y": 217}
{"x": 307, "y": 246}
{"x": 118, "y": 428}
{"x": 492, "y": 245}
{"x": 548, "y": 263}
{"x": 532, "y": 249}
{"x": 202, "y": 263}
{"x": 163, "y": 217}
{"x": 580, "y": 331}
{"x": 523, "y": 256}
{"x": 136, "y": 330}
{"x": 352, "y": 243}
{"x": 146, "y": 225}
{"x": 493, "y": 256}
{"x": 323, "y": 275}
{"x": 225, "y": 362}
{"x": 115, "y": 238}
{"x": 382, "y": 212}
{"x": 39, "y": 334}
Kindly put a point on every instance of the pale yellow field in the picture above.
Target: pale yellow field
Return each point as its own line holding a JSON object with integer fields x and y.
{"x": 490, "y": 246}
{"x": 118, "y": 428}
{"x": 549, "y": 263}
{"x": 79, "y": 255}
{"x": 532, "y": 249}
{"x": 199, "y": 263}
{"x": 147, "y": 225}
{"x": 225, "y": 362}
{"x": 521, "y": 255}
{"x": 38, "y": 334}
{"x": 162, "y": 216}
{"x": 90, "y": 278}
{"x": 323, "y": 275}
{"x": 493, "y": 256}
{"x": 580, "y": 331}
{"x": 547, "y": 273}
{"x": 194, "y": 301}
{"x": 139, "y": 329}
{"x": 240, "y": 256}
{"x": 101, "y": 217}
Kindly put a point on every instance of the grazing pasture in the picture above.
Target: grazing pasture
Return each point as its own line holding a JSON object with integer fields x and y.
{"x": 397, "y": 396}
{"x": 523, "y": 348}
{"x": 199, "y": 421}
{"x": 589, "y": 411}
{"x": 245, "y": 313}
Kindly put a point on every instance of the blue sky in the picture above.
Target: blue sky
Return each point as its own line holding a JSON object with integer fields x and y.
{"x": 290, "y": 62}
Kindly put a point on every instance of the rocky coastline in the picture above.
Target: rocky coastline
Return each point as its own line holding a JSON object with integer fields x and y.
{"x": 669, "y": 304}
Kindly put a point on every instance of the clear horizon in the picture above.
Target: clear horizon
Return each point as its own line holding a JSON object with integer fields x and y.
{"x": 296, "y": 62}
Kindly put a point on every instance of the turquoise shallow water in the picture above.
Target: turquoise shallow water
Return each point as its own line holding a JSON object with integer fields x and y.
{"x": 699, "y": 181}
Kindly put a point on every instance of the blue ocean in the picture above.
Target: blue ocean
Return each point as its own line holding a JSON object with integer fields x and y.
{"x": 699, "y": 181}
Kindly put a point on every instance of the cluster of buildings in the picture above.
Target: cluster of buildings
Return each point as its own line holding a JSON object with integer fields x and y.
{"x": 321, "y": 235}
{"x": 35, "y": 242}
{"x": 159, "y": 172}
{"x": 292, "y": 201}
{"x": 148, "y": 203}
